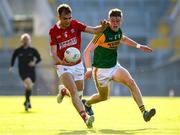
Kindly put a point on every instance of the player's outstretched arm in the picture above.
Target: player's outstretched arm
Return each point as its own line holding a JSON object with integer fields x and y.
{"x": 87, "y": 59}
{"x": 127, "y": 41}
{"x": 97, "y": 29}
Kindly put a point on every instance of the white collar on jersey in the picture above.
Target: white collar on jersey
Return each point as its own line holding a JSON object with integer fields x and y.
{"x": 57, "y": 24}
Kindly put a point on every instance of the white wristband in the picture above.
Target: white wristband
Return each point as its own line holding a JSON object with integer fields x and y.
{"x": 89, "y": 69}
{"x": 138, "y": 46}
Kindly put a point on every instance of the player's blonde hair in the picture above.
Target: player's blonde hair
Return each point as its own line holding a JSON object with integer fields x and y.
{"x": 26, "y": 36}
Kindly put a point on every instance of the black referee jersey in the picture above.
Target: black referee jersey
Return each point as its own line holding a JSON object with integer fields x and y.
{"x": 25, "y": 56}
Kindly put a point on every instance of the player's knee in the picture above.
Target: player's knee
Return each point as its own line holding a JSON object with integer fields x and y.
{"x": 29, "y": 85}
{"x": 73, "y": 93}
{"x": 103, "y": 98}
{"x": 80, "y": 94}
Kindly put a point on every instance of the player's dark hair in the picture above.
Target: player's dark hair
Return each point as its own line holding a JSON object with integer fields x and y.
{"x": 64, "y": 8}
{"x": 115, "y": 12}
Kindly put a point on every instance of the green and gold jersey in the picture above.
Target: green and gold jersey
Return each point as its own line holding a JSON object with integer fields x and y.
{"x": 105, "y": 53}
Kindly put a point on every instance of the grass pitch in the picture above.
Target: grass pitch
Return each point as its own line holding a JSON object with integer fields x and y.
{"x": 118, "y": 116}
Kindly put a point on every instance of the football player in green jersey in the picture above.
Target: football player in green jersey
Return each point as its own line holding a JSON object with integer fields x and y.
{"x": 106, "y": 68}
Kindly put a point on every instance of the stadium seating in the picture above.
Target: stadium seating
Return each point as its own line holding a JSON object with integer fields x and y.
{"x": 176, "y": 49}
{"x": 177, "y": 42}
{"x": 1, "y": 43}
{"x": 163, "y": 29}
{"x": 9, "y": 83}
{"x": 160, "y": 43}
{"x": 42, "y": 45}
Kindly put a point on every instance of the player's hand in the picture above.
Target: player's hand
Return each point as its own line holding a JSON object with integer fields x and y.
{"x": 88, "y": 75}
{"x": 145, "y": 48}
{"x": 11, "y": 70}
{"x": 68, "y": 63}
{"x": 104, "y": 23}
{"x": 65, "y": 63}
{"x": 32, "y": 64}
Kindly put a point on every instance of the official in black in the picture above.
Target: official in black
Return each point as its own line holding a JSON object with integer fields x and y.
{"x": 28, "y": 58}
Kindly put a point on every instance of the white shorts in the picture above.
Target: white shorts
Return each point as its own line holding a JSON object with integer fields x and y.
{"x": 77, "y": 71}
{"x": 103, "y": 76}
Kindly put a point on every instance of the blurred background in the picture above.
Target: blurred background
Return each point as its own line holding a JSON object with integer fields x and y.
{"x": 152, "y": 22}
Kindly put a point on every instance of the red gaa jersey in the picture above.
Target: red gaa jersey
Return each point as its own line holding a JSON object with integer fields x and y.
{"x": 65, "y": 38}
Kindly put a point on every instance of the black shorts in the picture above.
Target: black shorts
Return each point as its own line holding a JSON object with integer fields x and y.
{"x": 28, "y": 74}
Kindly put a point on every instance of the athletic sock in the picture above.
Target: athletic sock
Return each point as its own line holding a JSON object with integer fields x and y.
{"x": 83, "y": 115}
{"x": 142, "y": 108}
{"x": 27, "y": 95}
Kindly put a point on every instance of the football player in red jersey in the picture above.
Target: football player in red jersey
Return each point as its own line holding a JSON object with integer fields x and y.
{"x": 64, "y": 34}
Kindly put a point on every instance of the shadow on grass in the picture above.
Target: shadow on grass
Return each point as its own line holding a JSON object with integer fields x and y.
{"x": 23, "y": 111}
{"x": 104, "y": 131}
{"x": 27, "y": 112}
{"x": 73, "y": 132}
{"x": 133, "y": 131}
